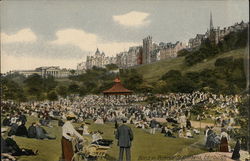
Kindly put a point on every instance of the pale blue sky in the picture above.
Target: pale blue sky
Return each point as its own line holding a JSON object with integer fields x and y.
{"x": 39, "y": 32}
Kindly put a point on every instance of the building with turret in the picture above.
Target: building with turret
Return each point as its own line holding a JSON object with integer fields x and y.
{"x": 99, "y": 60}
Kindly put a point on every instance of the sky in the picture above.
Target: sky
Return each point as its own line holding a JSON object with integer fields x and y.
{"x": 62, "y": 33}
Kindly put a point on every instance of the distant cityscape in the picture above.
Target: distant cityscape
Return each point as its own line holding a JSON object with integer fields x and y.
{"x": 148, "y": 52}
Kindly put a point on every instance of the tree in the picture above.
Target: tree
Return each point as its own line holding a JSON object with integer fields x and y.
{"x": 72, "y": 71}
{"x": 49, "y": 83}
{"x": 111, "y": 67}
{"x": 73, "y": 88}
{"x": 52, "y": 96}
{"x": 62, "y": 91}
{"x": 172, "y": 74}
{"x": 34, "y": 84}
{"x": 11, "y": 90}
{"x": 131, "y": 79}
{"x": 183, "y": 52}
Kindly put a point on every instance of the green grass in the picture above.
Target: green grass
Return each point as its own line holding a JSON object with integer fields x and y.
{"x": 144, "y": 144}
{"x": 152, "y": 72}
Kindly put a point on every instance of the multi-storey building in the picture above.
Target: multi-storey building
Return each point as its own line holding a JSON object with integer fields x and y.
{"x": 169, "y": 50}
{"x": 122, "y": 59}
{"x": 133, "y": 56}
{"x": 98, "y": 60}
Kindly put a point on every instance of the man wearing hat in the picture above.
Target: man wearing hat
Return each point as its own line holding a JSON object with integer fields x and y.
{"x": 124, "y": 135}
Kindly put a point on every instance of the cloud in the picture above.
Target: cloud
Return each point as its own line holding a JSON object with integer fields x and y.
{"x": 132, "y": 19}
{"x": 88, "y": 42}
{"x": 23, "y": 35}
{"x": 85, "y": 41}
{"x": 11, "y": 62}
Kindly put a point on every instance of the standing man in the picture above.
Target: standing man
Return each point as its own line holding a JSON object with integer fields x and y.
{"x": 152, "y": 125}
{"x": 124, "y": 135}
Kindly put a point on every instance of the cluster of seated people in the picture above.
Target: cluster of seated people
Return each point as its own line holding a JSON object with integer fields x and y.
{"x": 18, "y": 128}
{"x": 176, "y": 130}
{"x": 10, "y": 149}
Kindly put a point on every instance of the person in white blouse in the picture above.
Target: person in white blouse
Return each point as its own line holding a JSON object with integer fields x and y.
{"x": 68, "y": 133}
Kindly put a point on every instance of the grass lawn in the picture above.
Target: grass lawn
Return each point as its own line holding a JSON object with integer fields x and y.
{"x": 144, "y": 145}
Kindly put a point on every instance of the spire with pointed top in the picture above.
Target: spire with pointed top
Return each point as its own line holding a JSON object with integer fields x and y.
{"x": 211, "y": 21}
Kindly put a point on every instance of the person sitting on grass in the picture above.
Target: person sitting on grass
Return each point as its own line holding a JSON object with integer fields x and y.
{"x": 189, "y": 134}
{"x": 85, "y": 129}
{"x": 197, "y": 132}
{"x": 32, "y": 130}
{"x": 169, "y": 132}
{"x": 13, "y": 129}
{"x": 41, "y": 133}
{"x": 22, "y": 130}
{"x": 6, "y": 121}
{"x": 10, "y": 147}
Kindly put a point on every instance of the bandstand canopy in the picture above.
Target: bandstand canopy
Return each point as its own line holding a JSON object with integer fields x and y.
{"x": 117, "y": 89}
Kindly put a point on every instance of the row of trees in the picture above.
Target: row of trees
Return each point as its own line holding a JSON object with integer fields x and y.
{"x": 94, "y": 81}
{"x": 227, "y": 77}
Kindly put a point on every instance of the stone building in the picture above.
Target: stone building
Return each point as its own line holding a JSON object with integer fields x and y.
{"x": 133, "y": 56}
{"x": 98, "y": 60}
{"x": 169, "y": 50}
{"x": 54, "y": 71}
{"x": 147, "y": 48}
{"x": 196, "y": 42}
{"x": 122, "y": 59}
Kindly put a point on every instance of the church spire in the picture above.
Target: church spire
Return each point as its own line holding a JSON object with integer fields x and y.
{"x": 211, "y": 21}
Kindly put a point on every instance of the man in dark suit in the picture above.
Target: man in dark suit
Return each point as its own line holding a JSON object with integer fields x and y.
{"x": 124, "y": 135}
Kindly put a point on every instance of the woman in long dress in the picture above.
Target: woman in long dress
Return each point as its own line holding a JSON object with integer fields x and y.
{"x": 68, "y": 132}
{"x": 224, "y": 142}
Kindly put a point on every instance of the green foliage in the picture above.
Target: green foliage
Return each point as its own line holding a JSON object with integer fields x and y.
{"x": 62, "y": 91}
{"x": 34, "y": 85}
{"x": 11, "y": 90}
{"x": 111, "y": 67}
{"x": 234, "y": 40}
{"x": 175, "y": 82}
{"x": 183, "y": 52}
{"x": 52, "y": 96}
{"x": 49, "y": 83}
{"x": 206, "y": 50}
{"x": 228, "y": 77}
{"x": 131, "y": 79}
{"x": 73, "y": 88}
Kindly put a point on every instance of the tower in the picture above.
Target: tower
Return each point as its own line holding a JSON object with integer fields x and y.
{"x": 147, "y": 48}
{"x": 211, "y": 22}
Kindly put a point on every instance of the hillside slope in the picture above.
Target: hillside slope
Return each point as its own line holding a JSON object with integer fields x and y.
{"x": 152, "y": 72}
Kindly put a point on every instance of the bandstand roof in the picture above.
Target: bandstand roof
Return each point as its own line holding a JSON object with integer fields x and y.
{"x": 117, "y": 89}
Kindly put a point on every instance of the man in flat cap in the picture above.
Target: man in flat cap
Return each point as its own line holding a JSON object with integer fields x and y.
{"x": 124, "y": 135}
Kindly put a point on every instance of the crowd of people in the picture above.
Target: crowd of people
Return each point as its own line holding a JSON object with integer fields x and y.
{"x": 174, "y": 108}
